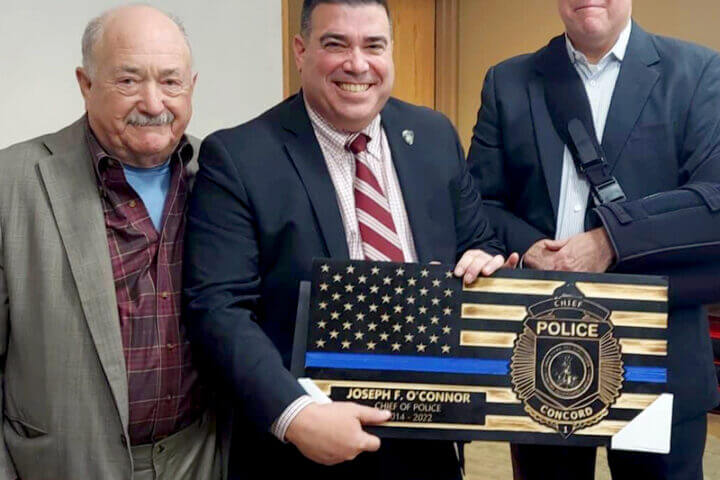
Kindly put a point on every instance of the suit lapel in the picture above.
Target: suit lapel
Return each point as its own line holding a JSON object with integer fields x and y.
{"x": 305, "y": 153}
{"x": 72, "y": 189}
{"x": 408, "y": 161}
{"x": 550, "y": 146}
{"x": 634, "y": 84}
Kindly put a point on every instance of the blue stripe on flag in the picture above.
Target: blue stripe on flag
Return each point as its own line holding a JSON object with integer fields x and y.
{"x": 646, "y": 374}
{"x": 360, "y": 361}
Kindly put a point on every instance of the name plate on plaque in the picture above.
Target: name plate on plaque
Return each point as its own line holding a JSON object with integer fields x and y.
{"x": 522, "y": 356}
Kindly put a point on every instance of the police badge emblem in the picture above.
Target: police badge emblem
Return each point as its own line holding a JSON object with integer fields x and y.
{"x": 567, "y": 367}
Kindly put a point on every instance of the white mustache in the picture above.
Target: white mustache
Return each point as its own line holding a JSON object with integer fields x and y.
{"x": 141, "y": 120}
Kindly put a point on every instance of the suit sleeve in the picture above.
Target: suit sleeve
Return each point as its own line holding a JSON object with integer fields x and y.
{"x": 679, "y": 229}
{"x": 486, "y": 161}
{"x": 222, "y": 291}
{"x": 473, "y": 226}
{"x": 7, "y": 468}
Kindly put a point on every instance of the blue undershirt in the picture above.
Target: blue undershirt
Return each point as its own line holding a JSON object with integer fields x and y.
{"x": 151, "y": 185}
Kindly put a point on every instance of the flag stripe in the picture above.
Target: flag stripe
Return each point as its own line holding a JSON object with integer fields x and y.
{"x": 643, "y": 347}
{"x": 360, "y": 361}
{"x": 623, "y": 291}
{"x": 495, "y": 312}
{"x": 513, "y": 285}
{"x": 475, "y": 338}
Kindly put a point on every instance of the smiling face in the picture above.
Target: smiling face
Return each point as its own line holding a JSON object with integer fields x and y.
{"x": 345, "y": 63}
{"x": 594, "y": 23}
{"x": 138, "y": 97}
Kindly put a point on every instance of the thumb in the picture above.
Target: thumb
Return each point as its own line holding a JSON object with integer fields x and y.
{"x": 370, "y": 443}
{"x": 512, "y": 260}
{"x": 555, "y": 245}
{"x": 371, "y": 416}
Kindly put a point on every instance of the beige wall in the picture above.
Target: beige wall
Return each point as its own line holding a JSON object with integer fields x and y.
{"x": 493, "y": 30}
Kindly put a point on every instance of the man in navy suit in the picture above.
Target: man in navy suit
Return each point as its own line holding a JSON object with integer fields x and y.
{"x": 343, "y": 171}
{"x": 654, "y": 106}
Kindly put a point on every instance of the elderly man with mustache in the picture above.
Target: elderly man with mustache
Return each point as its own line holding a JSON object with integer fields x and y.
{"x": 97, "y": 376}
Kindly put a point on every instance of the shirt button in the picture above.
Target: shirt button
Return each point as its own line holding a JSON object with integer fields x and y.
{"x": 132, "y": 204}
{"x": 577, "y": 207}
{"x": 123, "y": 440}
{"x": 169, "y": 397}
{"x": 171, "y": 346}
{"x": 593, "y": 83}
{"x": 165, "y": 295}
{"x": 160, "y": 448}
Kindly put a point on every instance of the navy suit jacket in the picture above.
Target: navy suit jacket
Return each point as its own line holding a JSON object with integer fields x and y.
{"x": 262, "y": 208}
{"x": 662, "y": 141}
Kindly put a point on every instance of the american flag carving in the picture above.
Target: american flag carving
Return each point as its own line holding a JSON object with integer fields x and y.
{"x": 379, "y": 330}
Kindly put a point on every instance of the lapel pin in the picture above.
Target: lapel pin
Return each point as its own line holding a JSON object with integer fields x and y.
{"x": 408, "y": 136}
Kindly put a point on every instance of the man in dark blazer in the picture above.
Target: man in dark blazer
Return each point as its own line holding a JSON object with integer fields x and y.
{"x": 282, "y": 189}
{"x": 655, "y": 106}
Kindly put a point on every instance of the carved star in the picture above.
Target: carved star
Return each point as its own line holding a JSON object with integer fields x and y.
{"x": 447, "y": 311}
{"x": 360, "y": 316}
{"x": 410, "y": 300}
{"x": 434, "y": 319}
{"x": 436, "y": 283}
{"x": 435, "y": 301}
{"x": 412, "y": 282}
{"x": 372, "y": 326}
{"x": 349, "y": 288}
{"x": 334, "y": 334}
{"x": 345, "y": 345}
{"x": 359, "y": 335}
{"x": 400, "y": 272}
{"x": 433, "y": 338}
{"x": 348, "y": 306}
{"x": 385, "y": 317}
{"x": 424, "y": 273}
{"x": 347, "y": 326}
{"x": 397, "y": 327}
{"x": 445, "y": 348}
{"x": 448, "y": 274}
{"x": 337, "y": 278}
{"x": 448, "y": 293}
{"x": 373, "y": 307}
{"x": 325, "y": 268}
{"x": 384, "y": 336}
{"x": 371, "y": 345}
{"x": 362, "y": 279}
{"x": 361, "y": 298}
{"x": 320, "y": 343}
{"x": 409, "y": 319}
{"x": 422, "y": 310}
{"x": 409, "y": 337}
{"x": 374, "y": 289}
{"x": 386, "y": 298}
{"x": 421, "y": 328}
{"x": 398, "y": 308}
{"x": 399, "y": 290}
{"x": 324, "y": 287}
{"x": 387, "y": 281}
{"x": 446, "y": 330}
{"x": 335, "y": 316}
{"x": 424, "y": 292}
{"x": 396, "y": 347}
{"x": 336, "y": 296}
{"x": 350, "y": 269}
{"x": 375, "y": 270}
{"x": 321, "y": 324}
{"x": 323, "y": 305}
{"x": 420, "y": 347}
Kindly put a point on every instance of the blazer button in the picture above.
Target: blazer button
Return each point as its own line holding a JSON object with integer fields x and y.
{"x": 123, "y": 440}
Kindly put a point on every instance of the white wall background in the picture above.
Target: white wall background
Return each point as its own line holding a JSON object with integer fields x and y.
{"x": 237, "y": 46}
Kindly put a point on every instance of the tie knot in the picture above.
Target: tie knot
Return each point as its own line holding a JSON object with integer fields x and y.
{"x": 359, "y": 144}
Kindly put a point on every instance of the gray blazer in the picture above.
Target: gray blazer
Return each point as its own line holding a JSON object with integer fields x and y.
{"x": 64, "y": 385}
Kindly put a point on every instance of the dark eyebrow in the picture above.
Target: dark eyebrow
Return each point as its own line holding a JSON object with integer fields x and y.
{"x": 333, "y": 36}
{"x": 379, "y": 38}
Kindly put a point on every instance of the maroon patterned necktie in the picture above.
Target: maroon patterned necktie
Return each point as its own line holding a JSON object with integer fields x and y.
{"x": 380, "y": 240}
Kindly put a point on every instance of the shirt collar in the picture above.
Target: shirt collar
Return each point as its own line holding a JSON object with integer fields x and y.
{"x": 103, "y": 160}
{"x": 617, "y": 52}
{"x": 337, "y": 139}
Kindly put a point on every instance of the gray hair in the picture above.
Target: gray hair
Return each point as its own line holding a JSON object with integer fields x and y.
{"x": 94, "y": 30}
